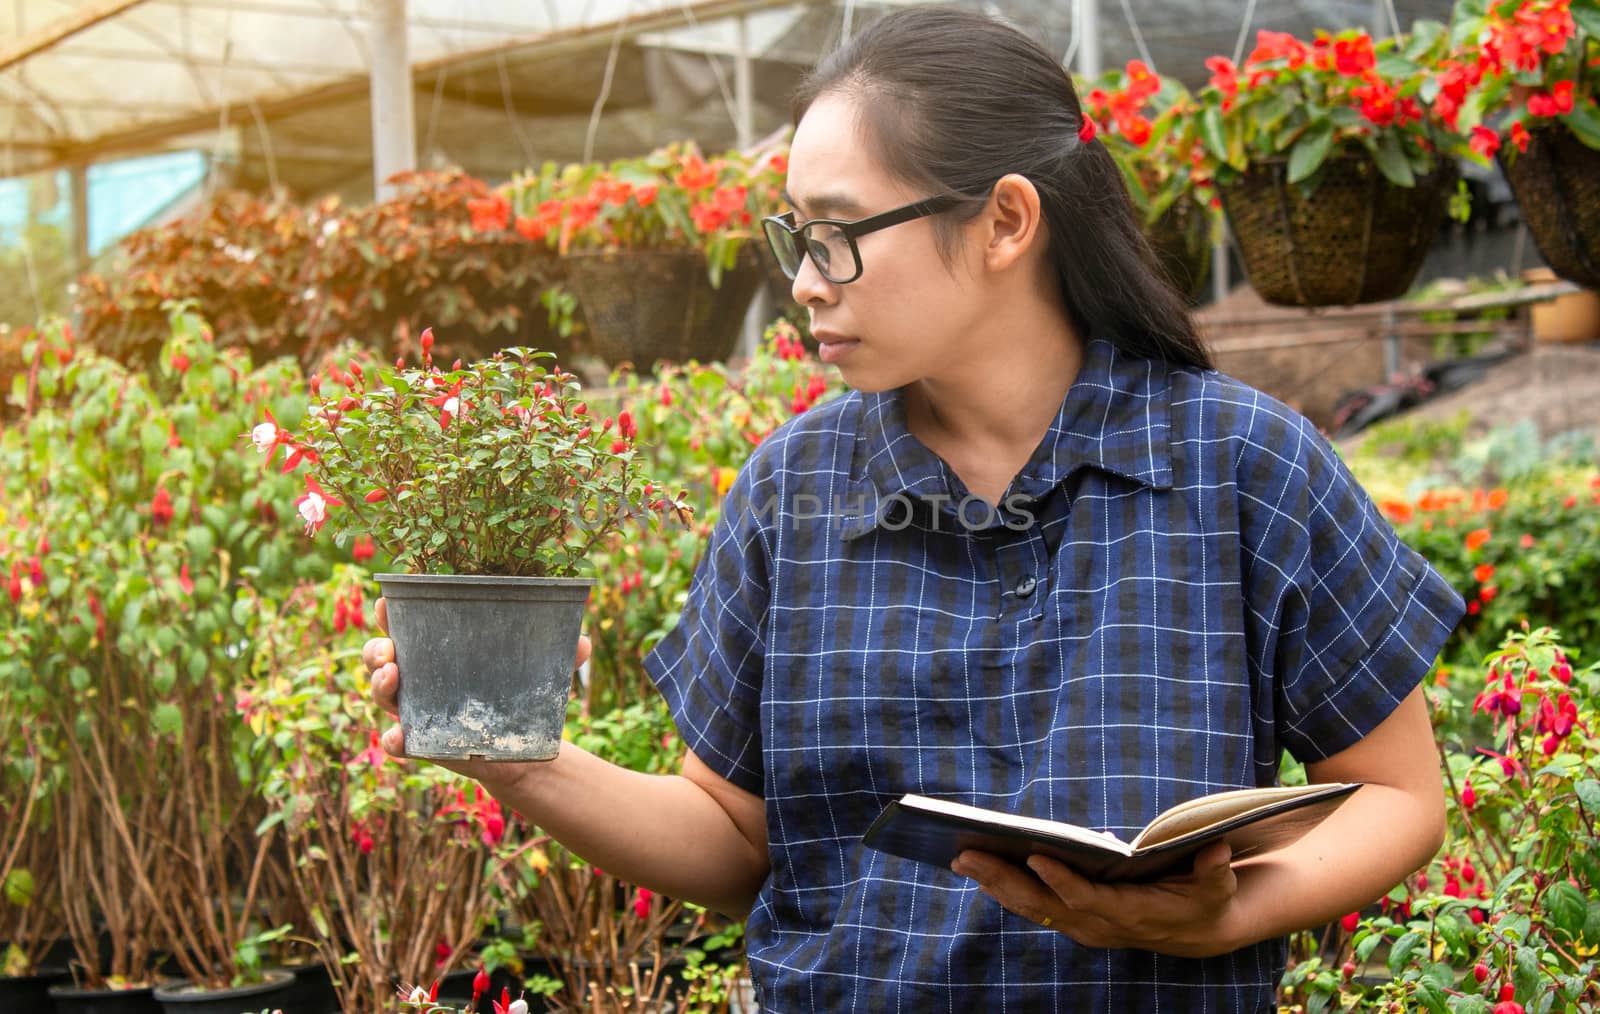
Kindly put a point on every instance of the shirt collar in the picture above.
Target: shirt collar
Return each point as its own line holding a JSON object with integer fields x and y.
{"x": 1114, "y": 417}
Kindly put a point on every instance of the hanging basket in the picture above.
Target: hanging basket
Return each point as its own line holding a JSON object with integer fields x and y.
{"x": 648, "y": 306}
{"x": 1356, "y": 239}
{"x": 1181, "y": 239}
{"x": 1557, "y": 185}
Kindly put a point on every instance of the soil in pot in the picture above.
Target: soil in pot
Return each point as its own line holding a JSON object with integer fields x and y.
{"x": 69, "y": 999}
{"x": 183, "y": 998}
{"x": 486, "y": 662}
{"x": 30, "y": 992}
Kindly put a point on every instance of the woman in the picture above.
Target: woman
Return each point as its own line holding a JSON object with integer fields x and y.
{"x": 1042, "y": 558}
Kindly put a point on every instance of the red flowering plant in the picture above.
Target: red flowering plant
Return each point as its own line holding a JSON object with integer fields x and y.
{"x": 674, "y": 198}
{"x": 1506, "y": 919}
{"x": 496, "y": 468}
{"x": 1516, "y": 65}
{"x": 1306, "y": 102}
{"x": 127, "y": 522}
{"x": 1149, "y": 124}
{"x": 398, "y": 865}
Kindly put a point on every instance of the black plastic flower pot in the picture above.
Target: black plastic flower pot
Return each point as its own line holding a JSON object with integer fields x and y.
{"x": 312, "y": 992}
{"x": 185, "y": 998}
{"x": 69, "y": 999}
{"x": 30, "y": 992}
{"x": 485, "y": 662}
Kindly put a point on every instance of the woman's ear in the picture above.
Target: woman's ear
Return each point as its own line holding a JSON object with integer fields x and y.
{"x": 1012, "y": 223}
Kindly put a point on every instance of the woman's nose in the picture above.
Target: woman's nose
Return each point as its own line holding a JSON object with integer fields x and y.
{"x": 809, "y": 286}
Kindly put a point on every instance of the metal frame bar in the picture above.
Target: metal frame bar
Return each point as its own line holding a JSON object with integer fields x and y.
{"x": 86, "y": 17}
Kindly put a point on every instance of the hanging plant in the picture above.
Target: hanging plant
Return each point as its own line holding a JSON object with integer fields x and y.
{"x": 1330, "y": 164}
{"x": 1148, "y": 124}
{"x": 1521, "y": 77}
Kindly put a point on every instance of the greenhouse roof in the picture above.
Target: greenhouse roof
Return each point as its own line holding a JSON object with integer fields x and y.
{"x": 281, "y": 90}
{"x": 83, "y": 80}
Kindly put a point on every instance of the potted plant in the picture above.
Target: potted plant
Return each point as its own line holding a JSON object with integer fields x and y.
{"x": 656, "y": 249}
{"x": 1148, "y": 124}
{"x": 1328, "y": 161}
{"x": 1524, "y": 71}
{"x": 489, "y": 484}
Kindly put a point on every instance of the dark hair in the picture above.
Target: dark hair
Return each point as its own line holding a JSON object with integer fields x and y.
{"x": 953, "y": 100}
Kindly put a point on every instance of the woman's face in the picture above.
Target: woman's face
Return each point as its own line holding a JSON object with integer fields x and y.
{"x": 905, "y": 317}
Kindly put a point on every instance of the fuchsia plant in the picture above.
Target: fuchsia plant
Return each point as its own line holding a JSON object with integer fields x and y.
{"x": 1506, "y": 920}
{"x": 493, "y": 468}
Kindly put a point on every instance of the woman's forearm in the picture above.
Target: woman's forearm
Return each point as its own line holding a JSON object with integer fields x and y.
{"x": 664, "y": 832}
{"x": 1380, "y": 836}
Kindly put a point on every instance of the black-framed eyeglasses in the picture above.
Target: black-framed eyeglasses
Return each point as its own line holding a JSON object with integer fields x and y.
{"x": 831, "y": 242}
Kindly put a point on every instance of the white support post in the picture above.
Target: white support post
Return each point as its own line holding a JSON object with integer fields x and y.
{"x": 394, "y": 123}
{"x": 79, "y": 174}
{"x": 760, "y": 311}
{"x": 1088, "y": 29}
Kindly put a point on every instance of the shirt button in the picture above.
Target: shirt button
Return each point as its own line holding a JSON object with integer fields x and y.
{"x": 1025, "y": 588}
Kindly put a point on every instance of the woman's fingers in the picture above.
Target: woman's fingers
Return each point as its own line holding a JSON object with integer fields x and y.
{"x": 382, "y": 612}
{"x": 584, "y": 648}
{"x": 394, "y": 741}
{"x": 386, "y": 688}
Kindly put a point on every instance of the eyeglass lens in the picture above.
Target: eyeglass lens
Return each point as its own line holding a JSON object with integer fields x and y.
{"x": 826, "y": 244}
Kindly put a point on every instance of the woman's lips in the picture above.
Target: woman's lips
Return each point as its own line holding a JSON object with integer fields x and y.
{"x": 833, "y": 347}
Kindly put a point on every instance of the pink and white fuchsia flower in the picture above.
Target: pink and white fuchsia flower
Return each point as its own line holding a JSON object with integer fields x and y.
{"x": 313, "y": 506}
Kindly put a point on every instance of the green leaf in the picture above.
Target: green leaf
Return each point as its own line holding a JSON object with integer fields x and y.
{"x": 1401, "y": 951}
{"x": 1424, "y": 34}
{"x": 1584, "y": 121}
{"x": 1310, "y": 151}
{"x": 1392, "y": 161}
{"x": 1588, "y": 790}
{"x": 19, "y": 888}
{"x": 167, "y": 719}
{"x": 1567, "y": 907}
{"x": 1394, "y": 66}
{"x": 1213, "y": 136}
{"x": 1587, "y": 14}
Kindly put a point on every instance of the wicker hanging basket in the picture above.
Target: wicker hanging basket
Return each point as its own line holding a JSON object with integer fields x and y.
{"x": 1356, "y": 239}
{"x": 1181, "y": 239}
{"x": 649, "y": 306}
{"x": 1557, "y": 185}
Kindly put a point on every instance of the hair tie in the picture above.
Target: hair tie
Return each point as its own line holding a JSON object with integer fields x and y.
{"x": 1086, "y": 130}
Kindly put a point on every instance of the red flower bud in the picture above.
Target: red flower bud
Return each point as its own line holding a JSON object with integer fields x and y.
{"x": 427, "y": 341}
{"x": 480, "y": 984}
{"x": 377, "y": 495}
{"x": 1480, "y": 971}
{"x": 1350, "y": 922}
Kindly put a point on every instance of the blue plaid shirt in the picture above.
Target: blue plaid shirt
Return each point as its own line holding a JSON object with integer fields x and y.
{"x": 1184, "y": 581}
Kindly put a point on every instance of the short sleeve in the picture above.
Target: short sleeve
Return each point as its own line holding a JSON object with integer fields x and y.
{"x": 1348, "y": 618}
{"x": 709, "y": 666}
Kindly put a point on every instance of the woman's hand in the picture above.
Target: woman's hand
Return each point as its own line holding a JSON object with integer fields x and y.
{"x": 1187, "y": 916}
{"x": 378, "y": 656}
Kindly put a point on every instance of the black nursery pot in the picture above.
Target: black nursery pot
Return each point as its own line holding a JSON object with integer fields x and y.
{"x": 485, "y": 662}
{"x": 30, "y": 992}
{"x": 70, "y": 999}
{"x": 182, "y": 998}
{"x": 311, "y": 993}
